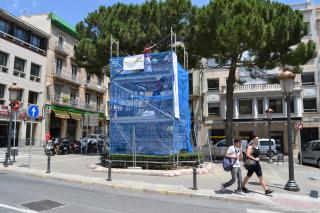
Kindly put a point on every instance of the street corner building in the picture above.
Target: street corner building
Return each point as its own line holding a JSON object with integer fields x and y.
{"x": 74, "y": 100}
{"x": 23, "y": 60}
{"x": 149, "y": 110}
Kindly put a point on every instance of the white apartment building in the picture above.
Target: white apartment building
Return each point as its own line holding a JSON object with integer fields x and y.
{"x": 72, "y": 94}
{"x": 23, "y": 51}
{"x": 251, "y": 99}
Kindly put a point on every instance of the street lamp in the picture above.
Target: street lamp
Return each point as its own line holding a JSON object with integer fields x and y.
{"x": 269, "y": 112}
{"x": 14, "y": 92}
{"x": 287, "y": 82}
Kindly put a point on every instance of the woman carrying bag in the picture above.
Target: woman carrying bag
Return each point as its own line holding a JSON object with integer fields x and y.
{"x": 253, "y": 166}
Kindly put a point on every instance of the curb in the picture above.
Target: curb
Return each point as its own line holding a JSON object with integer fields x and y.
{"x": 143, "y": 188}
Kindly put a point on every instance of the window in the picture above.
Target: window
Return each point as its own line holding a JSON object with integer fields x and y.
{"x": 276, "y": 105}
{"x": 190, "y": 83}
{"x": 19, "y": 64}
{"x": 35, "y": 70}
{"x": 98, "y": 101}
{"x": 213, "y": 84}
{"x": 88, "y": 77}
{"x": 2, "y": 90}
{"x": 58, "y": 65}
{"x": 3, "y": 59}
{"x": 308, "y": 28}
{"x": 260, "y": 106}
{"x": 310, "y": 105}
{"x": 74, "y": 72}
{"x": 315, "y": 146}
{"x": 4, "y": 26}
{"x": 99, "y": 80}
{"x": 20, "y": 33}
{"x": 61, "y": 41}
{"x": 73, "y": 95}
{"x": 292, "y": 104}
{"x": 57, "y": 90}
{"x": 33, "y": 97}
{"x": 245, "y": 107}
{"x": 20, "y": 96}
{"x": 307, "y": 78}
{"x": 87, "y": 98}
{"x": 213, "y": 109}
{"x": 35, "y": 40}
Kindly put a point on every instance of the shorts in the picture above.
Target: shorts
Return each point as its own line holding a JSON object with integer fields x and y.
{"x": 256, "y": 168}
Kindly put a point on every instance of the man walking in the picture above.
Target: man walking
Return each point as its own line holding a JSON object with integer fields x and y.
{"x": 234, "y": 152}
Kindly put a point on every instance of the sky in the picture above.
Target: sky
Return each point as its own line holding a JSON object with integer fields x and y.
{"x": 73, "y": 11}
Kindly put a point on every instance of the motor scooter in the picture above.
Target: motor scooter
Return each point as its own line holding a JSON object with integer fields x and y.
{"x": 49, "y": 149}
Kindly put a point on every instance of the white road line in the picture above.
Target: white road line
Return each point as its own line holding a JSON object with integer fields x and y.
{"x": 17, "y": 209}
{"x": 259, "y": 211}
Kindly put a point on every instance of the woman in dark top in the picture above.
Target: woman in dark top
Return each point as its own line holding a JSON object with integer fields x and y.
{"x": 253, "y": 153}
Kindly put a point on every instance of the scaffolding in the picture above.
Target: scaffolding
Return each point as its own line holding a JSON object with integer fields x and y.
{"x": 149, "y": 108}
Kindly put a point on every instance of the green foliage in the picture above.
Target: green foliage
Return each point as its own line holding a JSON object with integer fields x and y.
{"x": 151, "y": 161}
{"x": 135, "y": 26}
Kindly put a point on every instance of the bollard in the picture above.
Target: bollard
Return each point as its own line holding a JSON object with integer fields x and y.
{"x": 48, "y": 165}
{"x": 14, "y": 156}
{"x": 109, "y": 171}
{"x": 195, "y": 187}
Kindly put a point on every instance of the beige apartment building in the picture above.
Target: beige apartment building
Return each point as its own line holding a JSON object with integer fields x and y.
{"x": 253, "y": 97}
{"x": 23, "y": 60}
{"x": 75, "y": 99}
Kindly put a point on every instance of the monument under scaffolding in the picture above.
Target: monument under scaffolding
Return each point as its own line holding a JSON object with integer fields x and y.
{"x": 149, "y": 108}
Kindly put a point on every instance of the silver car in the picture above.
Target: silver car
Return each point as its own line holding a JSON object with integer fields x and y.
{"x": 311, "y": 153}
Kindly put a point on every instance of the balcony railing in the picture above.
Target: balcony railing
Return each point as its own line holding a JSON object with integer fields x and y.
{"x": 3, "y": 69}
{"x": 62, "y": 74}
{"x": 61, "y": 48}
{"x": 19, "y": 73}
{"x": 78, "y": 104}
{"x": 22, "y": 43}
{"x": 35, "y": 78}
{"x": 259, "y": 88}
{"x": 95, "y": 87}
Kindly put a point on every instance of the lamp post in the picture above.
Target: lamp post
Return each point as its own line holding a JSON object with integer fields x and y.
{"x": 269, "y": 112}
{"x": 14, "y": 92}
{"x": 287, "y": 82}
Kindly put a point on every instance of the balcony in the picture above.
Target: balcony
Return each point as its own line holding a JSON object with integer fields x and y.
{"x": 66, "y": 76}
{"x": 62, "y": 49}
{"x": 3, "y": 69}
{"x": 35, "y": 78}
{"x": 19, "y": 73}
{"x": 253, "y": 88}
{"x": 95, "y": 87}
{"x": 22, "y": 43}
{"x": 76, "y": 103}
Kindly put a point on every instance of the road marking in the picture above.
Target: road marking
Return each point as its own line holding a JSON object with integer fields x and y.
{"x": 17, "y": 209}
{"x": 259, "y": 211}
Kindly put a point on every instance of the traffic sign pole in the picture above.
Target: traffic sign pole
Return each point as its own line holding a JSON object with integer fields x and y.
{"x": 33, "y": 113}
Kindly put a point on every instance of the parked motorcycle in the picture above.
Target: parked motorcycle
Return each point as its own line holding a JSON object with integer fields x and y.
{"x": 64, "y": 147}
{"x": 49, "y": 149}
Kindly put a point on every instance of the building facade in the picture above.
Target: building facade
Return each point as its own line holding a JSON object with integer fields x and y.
{"x": 23, "y": 60}
{"x": 75, "y": 99}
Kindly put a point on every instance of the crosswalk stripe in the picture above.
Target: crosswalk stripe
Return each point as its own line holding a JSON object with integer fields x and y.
{"x": 259, "y": 211}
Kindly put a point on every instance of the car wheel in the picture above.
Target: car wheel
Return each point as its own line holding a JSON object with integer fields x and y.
{"x": 270, "y": 153}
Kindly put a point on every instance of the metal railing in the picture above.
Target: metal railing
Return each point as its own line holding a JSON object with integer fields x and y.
{"x": 35, "y": 78}
{"x": 259, "y": 88}
{"x": 61, "y": 73}
{"x": 23, "y": 43}
{"x": 19, "y": 73}
{"x": 67, "y": 101}
{"x": 3, "y": 69}
{"x": 96, "y": 87}
{"x": 62, "y": 48}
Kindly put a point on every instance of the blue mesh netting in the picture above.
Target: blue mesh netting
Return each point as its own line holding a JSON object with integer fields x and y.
{"x": 142, "y": 115}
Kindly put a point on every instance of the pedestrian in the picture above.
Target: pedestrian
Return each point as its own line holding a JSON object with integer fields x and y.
{"x": 253, "y": 165}
{"x": 234, "y": 152}
{"x": 47, "y": 137}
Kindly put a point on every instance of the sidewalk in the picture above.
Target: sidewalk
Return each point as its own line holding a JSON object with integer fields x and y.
{"x": 80, "y": 168}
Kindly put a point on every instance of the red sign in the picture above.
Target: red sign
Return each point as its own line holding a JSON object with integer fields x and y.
{"x": 16, "y": 106}
{"x": 299, "y": 125}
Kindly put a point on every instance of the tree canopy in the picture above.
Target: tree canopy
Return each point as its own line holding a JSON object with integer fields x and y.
{"x": 265, "y": 29}
{"x": 135, "y": 26}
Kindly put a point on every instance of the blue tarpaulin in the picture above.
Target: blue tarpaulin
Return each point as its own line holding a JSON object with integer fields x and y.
{"x": 149, "y": 108}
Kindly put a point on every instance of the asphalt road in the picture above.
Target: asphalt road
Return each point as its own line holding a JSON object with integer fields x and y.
{"x": 17, "y": 193}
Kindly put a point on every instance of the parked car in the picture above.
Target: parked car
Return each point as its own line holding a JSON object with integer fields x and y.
{"x": 311, "y": 153}
{"x": 94, "y": 142}
{"x": 218, "y": 150}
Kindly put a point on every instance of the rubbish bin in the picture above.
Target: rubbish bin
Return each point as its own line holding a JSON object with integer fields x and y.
{"x": 14, "y": 151}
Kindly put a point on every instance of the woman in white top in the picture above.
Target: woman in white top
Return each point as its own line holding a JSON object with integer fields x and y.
{"x": 234, "y": 152}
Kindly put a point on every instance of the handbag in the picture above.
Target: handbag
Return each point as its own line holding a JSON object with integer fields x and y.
{"x": 248, "y": 163}
{"x": 228, "y": 163}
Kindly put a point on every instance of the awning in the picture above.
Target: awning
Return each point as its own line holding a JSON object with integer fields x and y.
{"x": 75, "y": 116}
{"x": 61, "y": 114}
